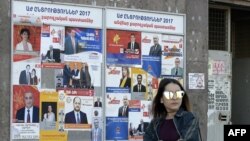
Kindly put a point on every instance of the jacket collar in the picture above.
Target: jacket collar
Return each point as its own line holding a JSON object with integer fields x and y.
{"x": 180, "y": 112}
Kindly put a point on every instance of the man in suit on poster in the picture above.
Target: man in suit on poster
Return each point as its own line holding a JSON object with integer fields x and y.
{"x": 29, "y": 113}
{"x": 133, "y": 47}
{"x": 75, "y": 76}
{"x": 76, "y": 116}
{"x": 53, "y": 54}
{"x": 96, "y": 134}
{"x": 142, "y": 127}
{"x": 98, "y": 103}
{"x": 155, "y": 50}
{"x": 123, "y": 110}
{"x": 71, "y": 43}
{"x": 66, "y": 75}
{"x": 177, "y": 70}
{"x": 139, "y": 87}
{"x": 25, "y": 76}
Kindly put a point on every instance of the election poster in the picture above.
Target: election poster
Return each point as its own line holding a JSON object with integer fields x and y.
{"x": 78, "y": 112}
{"x": 117, "y": 102}
{"x": 138, "y": 119}
{"x": 139, "y": 84}
{"x": 151, "y": 53}
{"x": 97, "y": 129}
{"x": 153, "y": 83}
{"x": 119, "y": 77}
{"x": 83, "y": 44}
{"x": 117, "y": 128}
{"x": 48, "y": 112}
{"x": 25, "y": 114}
{"x": 49, "y": 124}
{"x": 52, "y": 44}
{"x": 57, "y": 51}
{"x": 172, "y": 55}
{"x": 26, "y": 43}
{"x": 26, "y": 74}
{"x": 81, "y": 77}
{"x": 123, "y": 47}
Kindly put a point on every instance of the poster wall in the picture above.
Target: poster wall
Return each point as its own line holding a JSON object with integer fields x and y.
{"x": 58, "y": 91}
{"x": 142, "y": 48}
{"x": 56, "y": 71}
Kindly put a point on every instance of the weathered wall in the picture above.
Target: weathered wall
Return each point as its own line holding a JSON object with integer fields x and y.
{"x": 196, "y": 41}
{"x": 5, "y": 69}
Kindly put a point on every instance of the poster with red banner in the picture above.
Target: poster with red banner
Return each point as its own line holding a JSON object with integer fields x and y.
{"x": 123, "y": 47}
{"x": 26, "y": 43}
{"x": 25, "y": 112}
{"x": 52, "y": 44}
{"x": 138, "y": 119}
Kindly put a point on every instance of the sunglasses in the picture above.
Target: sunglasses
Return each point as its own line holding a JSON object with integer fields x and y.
{"x": 171, "y": 95}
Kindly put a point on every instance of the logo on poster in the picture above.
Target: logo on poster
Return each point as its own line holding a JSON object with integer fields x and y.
{"x": 114, "y": 71}
{"x": 146, "y": 40}
{"x": 116, "y": 39}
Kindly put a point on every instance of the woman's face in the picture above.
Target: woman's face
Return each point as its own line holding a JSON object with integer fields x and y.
{"x": 124, "y": 72}
{"x": 25, "y": 36}
{"x": 172, "y": 105}
{"x": 49, "y": 108}
{"x": 33, "y": 72}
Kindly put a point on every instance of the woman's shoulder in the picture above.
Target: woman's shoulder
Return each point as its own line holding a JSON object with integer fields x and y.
{"x": 190, "y": 116}
{"x": 19, "y": 45}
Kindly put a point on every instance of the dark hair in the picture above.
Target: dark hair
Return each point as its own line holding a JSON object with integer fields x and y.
{"x": 27, "y": 66}
{"x": 34, "y": 70}
{"x": 132, "y": 34}
{"x": 158, "y": 108}
{"x": 139, "y": 75}
{"x": 25, "y": 30}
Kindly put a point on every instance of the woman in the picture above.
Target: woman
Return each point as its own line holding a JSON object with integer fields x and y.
{"x": 24, "y": 45}
{"x": 33, "y": 78}
{"x": 172, "y": 119}
{"x": 125, "y": 81}
{"x": 50, "y": 116}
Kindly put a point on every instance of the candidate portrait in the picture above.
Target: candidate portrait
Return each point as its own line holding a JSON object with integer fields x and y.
{"x": 76, "y": 116}
{"x": 29, "y": 113}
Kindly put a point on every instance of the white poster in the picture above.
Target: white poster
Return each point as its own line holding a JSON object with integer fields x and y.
{"x": 196, "y": 80}
{"x": 172, "y": 55}
{"x": 151, "y": 22}
{"x": 43, "y": 13}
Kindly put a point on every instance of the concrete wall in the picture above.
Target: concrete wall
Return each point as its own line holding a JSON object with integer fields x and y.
{"x": 5, "y": 69}
{"x": 196, "y": 41}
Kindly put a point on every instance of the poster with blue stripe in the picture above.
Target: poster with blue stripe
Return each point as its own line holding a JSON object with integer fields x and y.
{"x": 116, "y": 128}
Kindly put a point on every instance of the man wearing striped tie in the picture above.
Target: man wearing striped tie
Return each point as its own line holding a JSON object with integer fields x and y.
{"x": 76, "y": 116}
